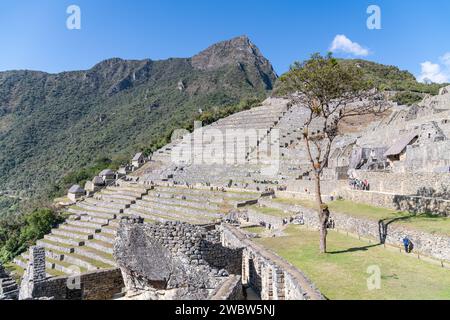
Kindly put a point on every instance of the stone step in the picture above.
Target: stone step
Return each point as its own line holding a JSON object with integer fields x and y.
{"x": 208, "y": 192}
{"x": 164, "y": 215}
{"x": 118, "y": 198}
{"x": 76, "y": 259}
{"x": 154, "y": 204}
{"x": 124, "y": 191}
{"x": 84, "y": 224}
{"x": 97, "y": 220}
{"x": 65, "y": 267}
{"x": 51, "y": 245}
{"x": 135, "y": 187}
{"x": 91, "y": 213}
{"x": 85, "y": 262}
{"x": 72, "y": 234}
{"x": 100, "y": 245}
{"x": 20, "y": 262}
{"x": 130, "y": 195}
{"x": 91, "y": 207}
{"x": 110, "y": 230}
{"x": 104, "y": 204}
{"x": 64, "y": 240}
{"x": 188, "y": 197}
{"x": 97, "y": 255}
{"x": 202, "y": 205}
{"x": 105, "y": 237}
{"x": 79, "y": 229}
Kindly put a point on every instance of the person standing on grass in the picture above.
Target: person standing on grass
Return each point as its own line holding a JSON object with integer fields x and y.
{"x": 406, "y": 244}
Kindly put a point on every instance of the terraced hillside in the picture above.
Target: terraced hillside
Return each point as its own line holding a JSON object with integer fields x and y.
{"x": 84, "y": 242}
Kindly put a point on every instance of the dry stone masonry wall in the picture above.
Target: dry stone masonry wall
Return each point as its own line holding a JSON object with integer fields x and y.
{"x": 434, "y": 245}
{"x": 266, "y": 273}
{"x": 174, "y": 260}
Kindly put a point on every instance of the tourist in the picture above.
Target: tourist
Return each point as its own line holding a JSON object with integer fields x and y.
{"x": 406, "y": 244}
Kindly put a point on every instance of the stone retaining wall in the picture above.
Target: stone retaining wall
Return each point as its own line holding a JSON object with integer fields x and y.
{"x": 413, "y": 204}
{"x": 434, "y": 245}
{"x": 268, "y": 274}
{"x": 403, "y": 183}
{"x": 231, "y": 289}
{"x": 97, "y": 285}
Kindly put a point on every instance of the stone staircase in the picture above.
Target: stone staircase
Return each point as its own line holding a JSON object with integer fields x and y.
{"x": 84, "y": 242}
{"x": 196, "y": 206}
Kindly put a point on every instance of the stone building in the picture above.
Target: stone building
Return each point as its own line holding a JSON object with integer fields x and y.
{"x": 95, "y": 185}
{"x": 368, "y": 158}
{"x": 396, "y": 154}
{"x": 76, "y": 193}
{"x": 108, "y": 176}
{"x": 138, "y": 160}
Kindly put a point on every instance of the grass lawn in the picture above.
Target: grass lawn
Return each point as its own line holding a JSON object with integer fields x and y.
{"x": 271, "y": 211}
{"x": 426, "y": 223}
{"x": 257, "y": 230}
{"x": 342, "y": 273}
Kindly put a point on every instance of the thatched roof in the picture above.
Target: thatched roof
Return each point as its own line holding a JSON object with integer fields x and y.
{"x": 401, "y": 144}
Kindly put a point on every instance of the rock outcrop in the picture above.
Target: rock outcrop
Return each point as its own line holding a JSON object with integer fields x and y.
{"x": 173, "y": 260}
{"x": 241, "y": 52}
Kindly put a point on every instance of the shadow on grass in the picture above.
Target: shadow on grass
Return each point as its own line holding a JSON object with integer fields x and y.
{"x": 365, "y": 248}
{"x": 383, "y": 225}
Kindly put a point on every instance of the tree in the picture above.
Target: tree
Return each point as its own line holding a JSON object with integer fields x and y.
{"x": 330, "y": 91}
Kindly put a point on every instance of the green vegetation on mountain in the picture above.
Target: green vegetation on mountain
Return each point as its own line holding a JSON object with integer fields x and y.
{"x": 54, "y": 128}
{"x": 408, "y": 89}
{"x": 18, "y": 232}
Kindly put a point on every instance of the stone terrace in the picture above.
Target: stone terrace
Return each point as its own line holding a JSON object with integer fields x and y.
{"x": 84, "y": 242}
{"x": 195, "y": 206}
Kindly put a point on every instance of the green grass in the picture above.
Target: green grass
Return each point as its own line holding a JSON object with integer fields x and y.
{"x": 292, "y": 201}
{"x": 15, "y": 271}
{"x": 422, "y": 222}
{"x": 65, "y": 264}
{"x": 257, "y": 230}
{"x": 342, "y": 273}
{"x": 95, "y": 263}
{"x": 272, "y": 211}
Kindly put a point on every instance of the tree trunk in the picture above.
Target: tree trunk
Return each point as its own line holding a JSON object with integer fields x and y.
{"x": 323, "y": 216}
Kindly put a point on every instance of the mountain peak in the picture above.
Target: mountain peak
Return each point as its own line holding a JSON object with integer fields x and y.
{"x": 239, "y": 50}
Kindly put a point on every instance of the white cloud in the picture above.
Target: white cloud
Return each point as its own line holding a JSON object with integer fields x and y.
{"x": 432, "y": 72}
{"x": 343, "y": 44}
{"x": 446, "y": 59}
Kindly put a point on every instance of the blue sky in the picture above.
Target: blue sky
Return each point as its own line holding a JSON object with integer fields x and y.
{"x": 33, "y": 33}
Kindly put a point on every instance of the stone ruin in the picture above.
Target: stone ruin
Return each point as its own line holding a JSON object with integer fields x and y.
{"x": 34, "y": 273}
{"x": 8, "y": 286}
{"x": 174, "y": 260}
